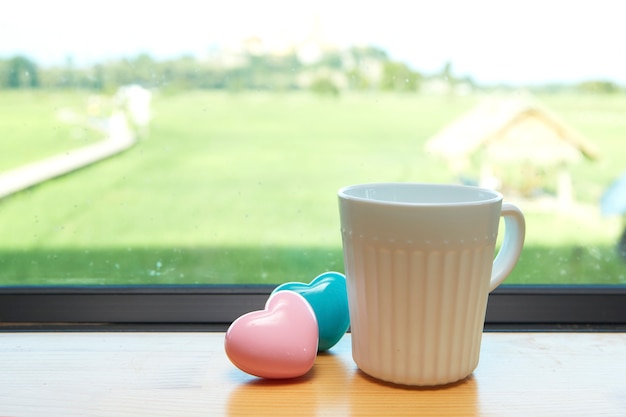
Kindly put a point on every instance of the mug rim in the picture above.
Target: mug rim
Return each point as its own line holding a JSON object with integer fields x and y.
{"x": 493, "y": 195}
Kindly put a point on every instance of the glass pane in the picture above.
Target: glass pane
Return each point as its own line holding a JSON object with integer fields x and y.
{"x": 204, "y": 144}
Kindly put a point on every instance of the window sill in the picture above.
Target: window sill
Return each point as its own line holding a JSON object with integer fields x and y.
{"x": 154, "y": 374}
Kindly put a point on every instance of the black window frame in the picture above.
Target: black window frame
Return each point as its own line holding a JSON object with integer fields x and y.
{"x": 510, "y": 307}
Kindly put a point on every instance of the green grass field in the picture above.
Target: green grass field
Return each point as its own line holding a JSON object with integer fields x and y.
{"x": 241, "y": 188}
{"x": 30, "y": 129}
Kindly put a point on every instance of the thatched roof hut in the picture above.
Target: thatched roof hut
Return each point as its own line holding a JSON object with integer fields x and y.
{"x": 512, "y": 132}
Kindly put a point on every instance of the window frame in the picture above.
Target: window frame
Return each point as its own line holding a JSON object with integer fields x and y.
{"x": 510, "y": 307}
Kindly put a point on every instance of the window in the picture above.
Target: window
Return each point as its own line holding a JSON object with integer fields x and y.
{"x": 190, "y": 209}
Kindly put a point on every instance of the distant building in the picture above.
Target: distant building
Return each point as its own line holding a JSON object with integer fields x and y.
{"x": 516, "y": 145}
{"x": 135, "y": 101}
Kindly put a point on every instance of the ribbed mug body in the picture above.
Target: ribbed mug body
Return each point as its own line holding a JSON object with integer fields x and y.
{"x": 417, "y": 314}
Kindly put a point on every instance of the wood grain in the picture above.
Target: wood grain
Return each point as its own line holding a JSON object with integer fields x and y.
{"x": 188, "y": 374}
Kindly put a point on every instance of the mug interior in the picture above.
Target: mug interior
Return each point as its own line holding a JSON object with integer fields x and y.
{"x": 419, "y": 194}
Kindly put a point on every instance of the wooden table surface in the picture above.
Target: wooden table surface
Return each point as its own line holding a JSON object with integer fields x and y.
{"x": 188, "y": 374}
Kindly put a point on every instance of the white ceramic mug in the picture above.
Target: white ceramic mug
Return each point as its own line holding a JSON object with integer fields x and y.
{"x": 419, "y": 263}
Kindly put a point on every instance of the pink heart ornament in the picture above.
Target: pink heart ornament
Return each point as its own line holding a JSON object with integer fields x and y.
{"x": 277, "y": 342}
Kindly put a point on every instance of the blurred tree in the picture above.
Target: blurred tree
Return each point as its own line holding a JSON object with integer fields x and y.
{"x": 446, "y": 72}
{"x": 360, "y": 52}
{"x": 357, "y": 80}
{"x": 98, "y": 77}
{"x": 397, "y": 76}
{"x": 4, "y": 73}
{"x": 598, "y": 87}
{"x": 363, "y": 67}
{"x": 325, "y": 86}
{"x": 448, "y": 77}
{"x": 21, "y": 72}
{"x": 331, "y": 59}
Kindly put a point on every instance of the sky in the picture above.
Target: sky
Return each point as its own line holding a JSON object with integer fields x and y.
{"x": 514, "y": 42}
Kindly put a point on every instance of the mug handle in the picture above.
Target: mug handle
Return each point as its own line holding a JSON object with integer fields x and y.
{"x": 514, "y": 233}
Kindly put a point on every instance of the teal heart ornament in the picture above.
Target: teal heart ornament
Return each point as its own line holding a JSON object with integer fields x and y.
{"x": 328, "y": 297}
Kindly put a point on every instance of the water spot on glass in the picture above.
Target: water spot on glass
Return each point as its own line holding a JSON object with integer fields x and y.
{"x": 156, "y": 272}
